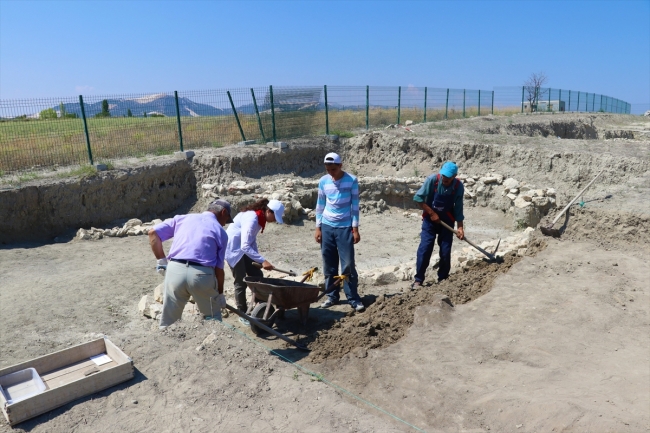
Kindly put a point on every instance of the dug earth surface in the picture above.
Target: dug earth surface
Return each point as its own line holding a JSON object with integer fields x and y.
{"x": 556, "y": 339}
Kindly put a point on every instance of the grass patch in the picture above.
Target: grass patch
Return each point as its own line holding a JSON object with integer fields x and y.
{"x": 83, "y": 171}
{"x": 26, "y": 177}
{"x": 342, "y": 134}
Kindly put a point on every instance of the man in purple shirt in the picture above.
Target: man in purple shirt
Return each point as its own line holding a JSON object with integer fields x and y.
{"x": 195, "y": 258}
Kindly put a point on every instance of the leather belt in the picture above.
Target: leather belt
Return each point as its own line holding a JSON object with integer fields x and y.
{"x": 186, "y": 262}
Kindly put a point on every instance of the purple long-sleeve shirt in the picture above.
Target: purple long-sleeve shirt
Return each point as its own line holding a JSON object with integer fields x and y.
{"x": 197, "y": 237}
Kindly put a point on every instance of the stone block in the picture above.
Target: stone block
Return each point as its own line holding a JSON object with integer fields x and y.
{"x": 155, "y": 310}
{"x": 132, "y": 223}
{"x": 187, "y": 154}
{"x": 246, "y": 143}
{"x": 101, "y": 167}
{"x": 158, "y": 293}
{"x": 144, "y": 304}
{"x": 510, "y": 183}
{"x": 278, "y": 144}
{"x": 522, "y": 203}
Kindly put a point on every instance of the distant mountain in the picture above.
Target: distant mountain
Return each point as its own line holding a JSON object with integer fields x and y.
{"x": 153, "y": 104}
{"x": 161, "y": 103}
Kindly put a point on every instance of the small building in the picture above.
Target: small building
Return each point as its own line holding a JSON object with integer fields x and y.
{"x": 554, "y": 106}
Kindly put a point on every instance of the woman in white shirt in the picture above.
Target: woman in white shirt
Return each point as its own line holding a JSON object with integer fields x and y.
{"x": 241, "y": 251}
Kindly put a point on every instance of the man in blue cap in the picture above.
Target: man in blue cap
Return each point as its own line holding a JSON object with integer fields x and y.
{"x": 441, "y": 199}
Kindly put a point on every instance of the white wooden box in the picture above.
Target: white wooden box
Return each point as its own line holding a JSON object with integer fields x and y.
{"x": 68, "y": 375}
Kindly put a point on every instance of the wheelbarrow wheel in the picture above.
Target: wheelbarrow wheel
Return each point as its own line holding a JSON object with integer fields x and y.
{"x": 258, "y": 313}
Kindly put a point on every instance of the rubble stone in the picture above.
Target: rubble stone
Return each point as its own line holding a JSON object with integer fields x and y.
{"x": 510, "y": 183}
{"x": 522, "y": 203}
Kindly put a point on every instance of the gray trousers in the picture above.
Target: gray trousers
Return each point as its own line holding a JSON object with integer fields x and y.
{"x": 243, "y": 268}
{"x": 183, "y": 281}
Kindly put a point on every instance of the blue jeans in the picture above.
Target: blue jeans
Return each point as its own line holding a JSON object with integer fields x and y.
{"x": 337, "y": 243}
{"x": 427, "y": 239}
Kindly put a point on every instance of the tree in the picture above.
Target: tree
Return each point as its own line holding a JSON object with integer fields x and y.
{"x": 48, "y": 113}
{"x": 128, "y": 113}
{"x": 534, "y": 91}
{"x": 144, "y": 114}
{"x": 62, "y": 111}
{"x": 105, "y": 112}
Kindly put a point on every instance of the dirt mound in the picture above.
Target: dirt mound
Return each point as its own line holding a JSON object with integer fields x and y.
{"x": 389, "y": 317}
{"x": 605, "y": 229}
{"x": 576, "y": 129}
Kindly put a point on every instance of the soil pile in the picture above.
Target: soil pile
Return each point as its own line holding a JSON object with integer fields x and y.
{"x": 390, "y": 316}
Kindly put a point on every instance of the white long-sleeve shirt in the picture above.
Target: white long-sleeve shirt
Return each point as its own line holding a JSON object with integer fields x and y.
{"x": 242, "y": 238}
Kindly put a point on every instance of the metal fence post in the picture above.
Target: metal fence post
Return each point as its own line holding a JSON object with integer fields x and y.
{"x": 587, "y": 102}
{"x": 447, "y": 104}
{"x": 327, "y": 114}
{"x": 367, "y": 106}
{"x": 479, "y": 102}
{"x": 83, "y": 116}
{"x": 593, "y": 102}
{"x": 425, "y": 106}
{"x": 601, "y": 103}
{"x": 257, "y": 112}
{"x": 522, "y": 99}
{"x": 241, "y": 131}
{"x": 569, "y": 100}
{"x": 399, "y": 102}
{"x": 272, "y": 112}
{"x": 578, "y": 103}
{"x": 178, "y": 121}
{"x": 463, "y": 103}
{"x": 492, "y": 110}
{"x": 548, "y": 107}
{"x": 559, "y": 101}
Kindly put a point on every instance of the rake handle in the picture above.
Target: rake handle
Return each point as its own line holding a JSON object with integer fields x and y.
{"x": 576, "y": 198}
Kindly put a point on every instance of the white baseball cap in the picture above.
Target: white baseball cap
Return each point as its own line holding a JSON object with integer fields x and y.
{"x": 332, "y": 158}
{"x": 278, "y": 210}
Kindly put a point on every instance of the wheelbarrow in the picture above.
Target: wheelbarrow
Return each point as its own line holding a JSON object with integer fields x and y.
{"x": 271, "y": 297}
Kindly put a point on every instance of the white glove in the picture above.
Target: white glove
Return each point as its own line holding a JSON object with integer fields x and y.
{"x": 221, "y": 301}
{"x": 161, "y": 266}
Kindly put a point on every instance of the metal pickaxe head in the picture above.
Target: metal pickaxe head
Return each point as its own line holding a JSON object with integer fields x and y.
{"x": 496, "y": 248}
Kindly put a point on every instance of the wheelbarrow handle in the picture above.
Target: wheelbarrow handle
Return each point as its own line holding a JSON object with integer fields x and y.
{"x": 266, "y": 328}
{"x": 489, "y": 256}
{"x": 292, "y": 273}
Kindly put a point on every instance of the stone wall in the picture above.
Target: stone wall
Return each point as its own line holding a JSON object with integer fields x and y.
{"x": 41, "y": 212}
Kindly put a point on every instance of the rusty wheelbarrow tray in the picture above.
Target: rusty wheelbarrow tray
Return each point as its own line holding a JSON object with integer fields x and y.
{"x": 272, "y": 296}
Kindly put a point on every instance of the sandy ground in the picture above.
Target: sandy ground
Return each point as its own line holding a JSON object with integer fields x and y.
{"x": 558, "y": 340}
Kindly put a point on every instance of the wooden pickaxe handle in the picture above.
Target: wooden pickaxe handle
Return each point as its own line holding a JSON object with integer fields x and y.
{"x": 489, "y": 256}
{"x": 292, "y": 273}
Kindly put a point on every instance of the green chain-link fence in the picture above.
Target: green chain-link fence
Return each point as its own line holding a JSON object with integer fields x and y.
{"x": 44, "y": 133}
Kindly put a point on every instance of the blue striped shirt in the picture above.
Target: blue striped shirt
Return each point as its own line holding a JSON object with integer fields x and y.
{"x": 338, "y": 201}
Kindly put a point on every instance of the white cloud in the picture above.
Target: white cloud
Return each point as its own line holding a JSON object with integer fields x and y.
{"x": 84, "y": 89}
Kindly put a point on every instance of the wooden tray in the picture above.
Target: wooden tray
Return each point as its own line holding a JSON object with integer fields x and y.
{"x": 68, "y": 375}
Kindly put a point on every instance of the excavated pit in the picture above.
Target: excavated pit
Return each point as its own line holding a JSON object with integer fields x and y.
{"x": 513, "y": 337}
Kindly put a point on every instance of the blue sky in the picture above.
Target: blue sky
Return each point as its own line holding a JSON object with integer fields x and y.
{"x": 65, "y": 48}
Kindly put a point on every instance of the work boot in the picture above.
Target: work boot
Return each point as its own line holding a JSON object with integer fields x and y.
{"x": 327, "y": 303}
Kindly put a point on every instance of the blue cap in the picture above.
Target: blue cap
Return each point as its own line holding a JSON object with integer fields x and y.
{"x": 449, "y": 169}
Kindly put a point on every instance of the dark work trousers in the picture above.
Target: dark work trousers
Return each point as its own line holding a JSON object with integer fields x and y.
{"x": 427, "y": 239}
{"x": 242, "y": 269}
{"x": 338, "y": 244}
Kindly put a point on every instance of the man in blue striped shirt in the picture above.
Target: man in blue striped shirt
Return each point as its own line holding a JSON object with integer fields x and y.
{"x": 337, "y": 230}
